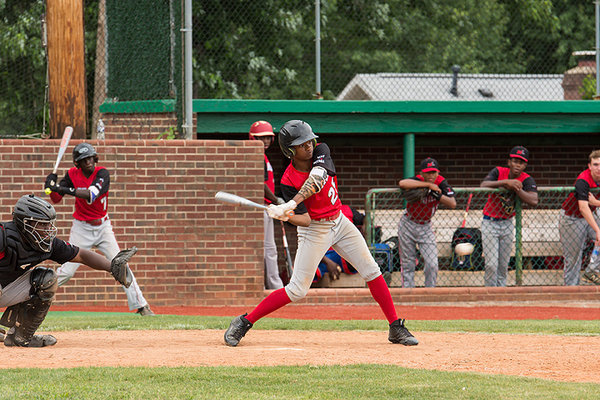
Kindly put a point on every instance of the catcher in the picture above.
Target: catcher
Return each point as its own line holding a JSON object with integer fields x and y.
{"x": 26, "y": 290}
{"x": 423, "y": 194}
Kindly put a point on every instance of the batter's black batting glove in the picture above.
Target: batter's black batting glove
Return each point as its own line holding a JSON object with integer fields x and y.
{"x": 50, "y": 181}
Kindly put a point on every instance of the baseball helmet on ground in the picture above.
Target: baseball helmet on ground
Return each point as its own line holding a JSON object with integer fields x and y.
{"x": 82, "y": 151}
{"x": 261, "y": 128}
{"x": 35, "y": 219}
{"x": 294, "y": 133}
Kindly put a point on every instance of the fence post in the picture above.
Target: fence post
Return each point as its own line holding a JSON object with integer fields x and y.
{"x": 518, "y": 242}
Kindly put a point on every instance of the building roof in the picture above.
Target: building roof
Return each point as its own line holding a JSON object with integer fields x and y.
{"x": 471, "y": 87}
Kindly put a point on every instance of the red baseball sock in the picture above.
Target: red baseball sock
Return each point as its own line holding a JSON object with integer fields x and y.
{"x": 272, "y": 302}
{"x": 381, "y": 294}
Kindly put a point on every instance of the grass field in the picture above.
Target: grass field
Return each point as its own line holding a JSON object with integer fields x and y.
{"x": 303, "y": 382}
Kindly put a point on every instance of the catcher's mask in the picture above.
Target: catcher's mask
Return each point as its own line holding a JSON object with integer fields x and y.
{"x": 35, "y": 219}
{"x": 83, "y": 151}
{"x": 294, "y": 133}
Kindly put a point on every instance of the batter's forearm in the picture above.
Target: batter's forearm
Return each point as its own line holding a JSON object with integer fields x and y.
{"x": 313, "y": 184}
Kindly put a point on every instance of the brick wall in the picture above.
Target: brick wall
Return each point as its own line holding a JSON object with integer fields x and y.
{"x": 192, "y": 251}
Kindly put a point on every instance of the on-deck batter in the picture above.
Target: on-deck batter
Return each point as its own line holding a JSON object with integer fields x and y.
{"x": 89, "y": 184}
{"x": 309, "y": 184}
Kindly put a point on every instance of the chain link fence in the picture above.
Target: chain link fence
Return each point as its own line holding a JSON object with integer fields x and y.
{"x": 530, "y": 245}
{"x": 376, "y": 50}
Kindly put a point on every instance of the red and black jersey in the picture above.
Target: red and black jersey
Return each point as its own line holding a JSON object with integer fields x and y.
{"x": 501, "y": 205}
{"x": 583, "y": 184}
{"x": 324, "y": 204}
{"x": 97, "y": 183}
{"x": 16, "y": 257}
{"x": 269, "y": 178}
{"x": 423, "y": 211}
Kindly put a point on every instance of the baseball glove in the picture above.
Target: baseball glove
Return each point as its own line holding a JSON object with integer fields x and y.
{"x": 119, "y": 269}
{"x": 415, "y": 195}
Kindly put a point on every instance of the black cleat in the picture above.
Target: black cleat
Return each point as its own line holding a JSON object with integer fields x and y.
{"x": 36, "y": 341}
{"x": 237, "y": 330}
{"x": 399, "y": 334}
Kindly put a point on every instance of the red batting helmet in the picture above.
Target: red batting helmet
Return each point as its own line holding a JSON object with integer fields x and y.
{"x": 261, "y": 128}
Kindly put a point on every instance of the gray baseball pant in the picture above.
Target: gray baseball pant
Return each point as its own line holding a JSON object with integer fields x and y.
{"x": 574, "y": 234}
{"x": 272, "y": 278}
{"x": 497, "y": 241}
{"x": 411, "y": 234}
{"x": 315, "y": 239}
{"x": 86, "y": 236}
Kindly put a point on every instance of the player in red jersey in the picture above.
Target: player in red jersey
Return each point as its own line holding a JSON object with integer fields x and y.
{"x": 309, "y": 184}
{"x": 579, "y": 222}
{"x": 497, "y": 227}
{"x": 89, "y": 184}
{"x": 415, "y": 227}
{"x": 263, "y": 131}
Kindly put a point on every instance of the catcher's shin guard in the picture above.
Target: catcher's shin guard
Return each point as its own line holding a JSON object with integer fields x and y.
{"x": 26, "y": 317}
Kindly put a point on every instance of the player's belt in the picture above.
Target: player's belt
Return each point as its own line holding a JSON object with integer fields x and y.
{"x": 419, "y": 221}
{"x": 330, "y": 218}
{"x": 97, "y": 222}
{"x": 495, "y": 219}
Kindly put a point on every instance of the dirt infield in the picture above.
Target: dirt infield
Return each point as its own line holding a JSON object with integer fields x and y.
{"x": 560, "y": 358}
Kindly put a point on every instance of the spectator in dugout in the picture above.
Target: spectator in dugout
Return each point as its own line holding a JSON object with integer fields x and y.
{"x": 415, "y": 227}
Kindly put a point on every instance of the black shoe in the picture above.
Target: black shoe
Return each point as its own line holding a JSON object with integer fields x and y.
{"x": 399, "y": 334}
{"x": 592, "y": 276}
{"x": 237, "y": 330}
{"x": 145, "y": 311}
{"x": 36, "y": 341}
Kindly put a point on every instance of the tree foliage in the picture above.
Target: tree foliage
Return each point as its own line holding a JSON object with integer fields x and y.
{"x": 266, "y": 49}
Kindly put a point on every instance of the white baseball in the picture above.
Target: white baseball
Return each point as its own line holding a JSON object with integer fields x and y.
{"x": 464, "y": 249}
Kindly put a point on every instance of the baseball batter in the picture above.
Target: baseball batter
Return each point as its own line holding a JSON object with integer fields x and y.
{"x": 415, "y": 228}
{"x": 89, "y": 184}
{"x": 309, "y": 184}
{"x": 26, "y": 290}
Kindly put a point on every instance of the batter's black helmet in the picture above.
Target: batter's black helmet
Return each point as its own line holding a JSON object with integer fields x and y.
{"x": 294, "y": 133}
{"x": 84, "y": 150}
{"x": 35, "y": 219}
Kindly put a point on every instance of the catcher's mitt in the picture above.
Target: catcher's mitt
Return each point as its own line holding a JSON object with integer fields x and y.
{"x": 415, "y": 195}
{"x": 119, "y": 269}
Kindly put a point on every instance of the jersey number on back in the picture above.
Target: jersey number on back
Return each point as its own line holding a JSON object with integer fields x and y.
{"x": 333, "y": 193}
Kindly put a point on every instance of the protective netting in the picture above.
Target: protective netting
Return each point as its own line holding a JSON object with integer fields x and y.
{"x": 532, "y": 244}
{"x": 378, "y": 50}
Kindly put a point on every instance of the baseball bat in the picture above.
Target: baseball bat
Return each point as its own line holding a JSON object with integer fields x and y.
{"x": 467, "y": 210}
{"x": 286, "y": 251}
{"x": 231, "y": 198}
{"x": 64, "y": 143}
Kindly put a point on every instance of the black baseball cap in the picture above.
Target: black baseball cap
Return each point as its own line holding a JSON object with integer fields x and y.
{"x": 430, "y": 164}
{"x": 520, "y": 152}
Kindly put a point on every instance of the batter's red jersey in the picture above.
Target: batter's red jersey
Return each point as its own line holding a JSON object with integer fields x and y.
{"x": 97, "y": 183}
{"x": 583, "y": 184}
{"x": 324, "y": 204}
{"x": 423, "y": 210}
{"x": 493, "y": 207}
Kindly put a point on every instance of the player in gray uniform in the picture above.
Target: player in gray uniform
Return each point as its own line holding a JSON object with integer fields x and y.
{"x": 89, "y": 184}
{"x": 309, "y": 184}
{"x": 27, "y": 291}
{"x": 414, "y": 227}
